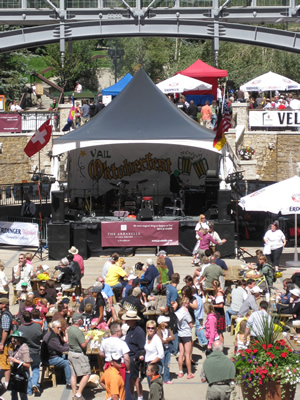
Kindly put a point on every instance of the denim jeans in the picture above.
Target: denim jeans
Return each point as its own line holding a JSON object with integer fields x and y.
{"x": 174, "y": 344}
{"x": 200, "y": 334}
{"x": 35, "y": 368}
{"x": 62, "y": 362}
{"x": 117, "y": 286}
{"x": 14, "y": 393}
{"x": 166, "y": 362}
{"x": 228, "y": 314}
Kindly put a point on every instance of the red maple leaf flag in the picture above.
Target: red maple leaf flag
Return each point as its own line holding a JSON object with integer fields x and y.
{"x": 39, "y": 139}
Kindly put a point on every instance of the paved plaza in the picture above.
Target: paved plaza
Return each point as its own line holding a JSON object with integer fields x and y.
{"x": 181, "y": 388}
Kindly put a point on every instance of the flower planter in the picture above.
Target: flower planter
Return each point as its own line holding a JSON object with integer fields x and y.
{"x": 270, "y": 391}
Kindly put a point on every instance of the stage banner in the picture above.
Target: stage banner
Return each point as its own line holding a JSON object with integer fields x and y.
{"x": 10, "y": 122}
{"x": 19, "y": 234}
{"x": 134, "y": 170}
{"x": 274, "y": 118}
{"x": 139, "y": 233}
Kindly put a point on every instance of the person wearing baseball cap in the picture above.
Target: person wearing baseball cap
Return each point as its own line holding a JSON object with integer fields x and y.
{"x": 5, "y": 328}
{"x": 250, "y": 302}
{"x": 112, "y": 381}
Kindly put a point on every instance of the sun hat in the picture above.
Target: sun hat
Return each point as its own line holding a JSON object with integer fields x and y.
{"x": 130, "y": 315}
{"x": 4, "y": 300}
{"x": 162, "y": 318}
{"x": 73, "y": 250}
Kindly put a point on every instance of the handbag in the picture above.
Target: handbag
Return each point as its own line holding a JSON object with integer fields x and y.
{"x": 267, "y": 249}
{"x": 18, "y": 379}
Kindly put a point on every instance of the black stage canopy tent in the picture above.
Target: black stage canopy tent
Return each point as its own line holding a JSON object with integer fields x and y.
{"x": 141, "y": 113}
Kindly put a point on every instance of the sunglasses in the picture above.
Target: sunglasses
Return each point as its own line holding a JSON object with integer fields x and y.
{"x": 150, "y": 327}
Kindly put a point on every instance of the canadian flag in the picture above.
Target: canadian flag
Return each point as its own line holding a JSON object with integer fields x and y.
{"x": 39, "y": 139}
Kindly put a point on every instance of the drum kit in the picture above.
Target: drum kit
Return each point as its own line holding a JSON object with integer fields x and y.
{"x": 131, "y": 200}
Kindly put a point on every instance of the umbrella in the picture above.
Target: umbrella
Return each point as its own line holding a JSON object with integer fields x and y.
{"x": 268, "y": 82}
{"x": 181, "y": 83}
{"x": 281, "y": 197}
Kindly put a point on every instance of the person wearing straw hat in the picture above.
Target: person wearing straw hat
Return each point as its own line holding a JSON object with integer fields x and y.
{"x": 77, "y": 258}
{"x": 135, "y": 340}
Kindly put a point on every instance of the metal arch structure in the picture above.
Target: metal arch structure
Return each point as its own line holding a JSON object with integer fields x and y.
{"x": 218, "y": 22}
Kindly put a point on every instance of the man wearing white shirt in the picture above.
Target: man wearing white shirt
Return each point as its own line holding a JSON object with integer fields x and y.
{"x": 257, "y": 322}
{"x": 238, "y": 296}
{"x": 114, "y": 344}
{"x": 22, "y": 273}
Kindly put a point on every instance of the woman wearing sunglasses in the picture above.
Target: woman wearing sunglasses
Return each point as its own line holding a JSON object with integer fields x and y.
{"x": 154, "y": 351}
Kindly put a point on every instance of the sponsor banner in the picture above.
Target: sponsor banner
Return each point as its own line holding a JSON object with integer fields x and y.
{"x": 19, "y": 234}
{"x": 274, "y": 118}
{"x": 10, "y": 122}
{"x": 136, "y": 169}
{"x": 139, "y": 233}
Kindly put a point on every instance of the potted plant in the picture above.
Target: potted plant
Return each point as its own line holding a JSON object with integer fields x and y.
{"x": 246, "y": 152}
{"x": 269, "y": 368}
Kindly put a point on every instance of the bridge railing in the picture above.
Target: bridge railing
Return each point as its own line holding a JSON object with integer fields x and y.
{"x": 81, "y": 4}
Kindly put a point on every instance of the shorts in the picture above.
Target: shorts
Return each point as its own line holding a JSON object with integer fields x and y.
{"x": 79, "y": 364}
{"x": 134, "y": 369}
{"x": 184, "y": 340}
{"x": 4, "y": 363}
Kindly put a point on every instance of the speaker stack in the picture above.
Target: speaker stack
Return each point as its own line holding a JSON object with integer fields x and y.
{"x": 58, "y": 231}
{"x": 145, "y": 214}
{"x": 80, "y": 240}
{"x": 58, "y": 240}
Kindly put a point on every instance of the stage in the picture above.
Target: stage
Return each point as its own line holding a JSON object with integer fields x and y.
{"x": 93, "y": 236}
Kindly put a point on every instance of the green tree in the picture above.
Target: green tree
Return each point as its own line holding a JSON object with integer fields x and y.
{"x": 13, "y": 67}
{"x": 77, "y": 65}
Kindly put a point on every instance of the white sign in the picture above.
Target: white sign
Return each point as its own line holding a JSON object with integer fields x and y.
{"x": 19, "y": 234}
{"x": 274, "y": 118}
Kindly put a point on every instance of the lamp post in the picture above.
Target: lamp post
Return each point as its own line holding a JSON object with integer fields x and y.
{"x": 115, "y": 54}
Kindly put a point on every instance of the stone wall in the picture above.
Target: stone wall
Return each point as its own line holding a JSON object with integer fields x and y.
{"x": 14, "y": 163}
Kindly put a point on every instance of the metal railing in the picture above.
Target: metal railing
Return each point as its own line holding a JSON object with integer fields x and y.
{"x": 84, "y": 4}
{"x": 14, "y": 194}
{"x": 32, "y": 120}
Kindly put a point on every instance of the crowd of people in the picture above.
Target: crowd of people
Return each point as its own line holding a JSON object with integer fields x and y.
{"x": 53, "y": 331}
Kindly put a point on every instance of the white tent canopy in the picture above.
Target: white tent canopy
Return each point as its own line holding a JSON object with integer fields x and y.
{"x": 181, "y": 83}
{"x": 270, "y": 82}
{"x": 281, "y": 197}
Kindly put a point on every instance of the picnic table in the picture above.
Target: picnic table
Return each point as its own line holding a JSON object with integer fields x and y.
{"x": 93, "y": 349}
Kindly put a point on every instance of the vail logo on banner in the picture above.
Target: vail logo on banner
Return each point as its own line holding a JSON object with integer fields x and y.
{"x": 39, "y": 139}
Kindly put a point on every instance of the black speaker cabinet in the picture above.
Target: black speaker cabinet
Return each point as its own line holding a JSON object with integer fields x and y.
{"x": 226, "y": 231}
{"x": 58, "y": 240}
{"x": 224, "y": 205}
{"x": 58, "y": 207}
{"x": 145, "y": 214}
{"x": 80, "y": 240}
